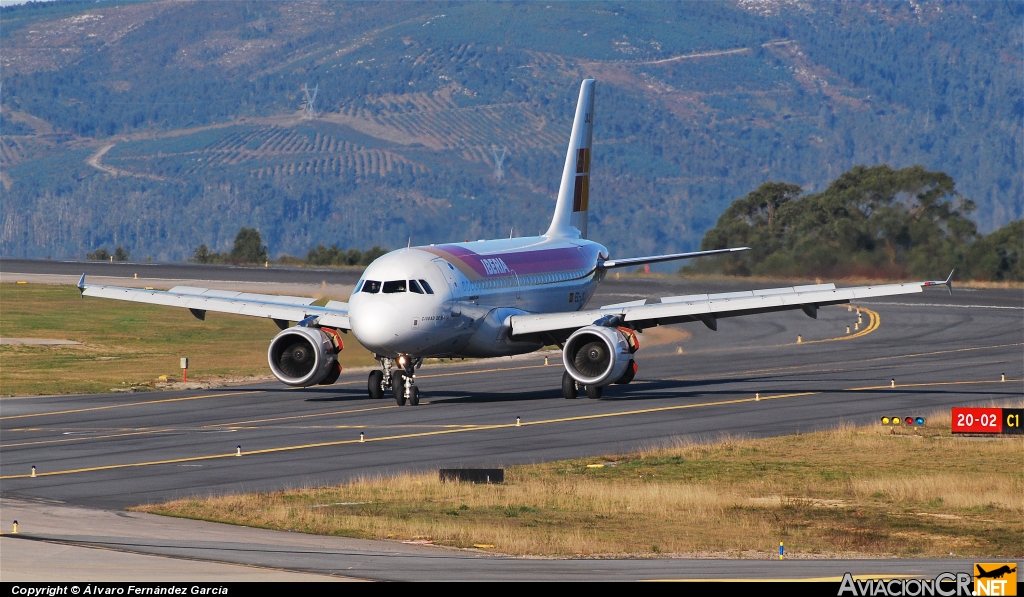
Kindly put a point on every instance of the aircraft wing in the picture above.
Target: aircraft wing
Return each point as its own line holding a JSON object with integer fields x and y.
{"x": 706, "y": 308}
{"x": 281, "y": 309}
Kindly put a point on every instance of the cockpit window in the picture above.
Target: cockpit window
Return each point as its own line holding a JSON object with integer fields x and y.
{"x": 414, "y": 286}
{"x": 371, "y": 286}
{"x": 426, "y": 287}
{"x": 394, "y": 286}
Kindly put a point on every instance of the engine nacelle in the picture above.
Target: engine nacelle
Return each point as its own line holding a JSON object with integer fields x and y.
{"x": 302, "y": 356}
{"x": 598, "y": 356}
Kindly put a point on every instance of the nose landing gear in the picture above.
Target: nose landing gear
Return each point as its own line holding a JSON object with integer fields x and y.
{"x": 397, "y": 376}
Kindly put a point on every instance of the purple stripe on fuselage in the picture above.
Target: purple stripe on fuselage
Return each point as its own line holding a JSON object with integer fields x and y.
{"x": 541, "y": 261}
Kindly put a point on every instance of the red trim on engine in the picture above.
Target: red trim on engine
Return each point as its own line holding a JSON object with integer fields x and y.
{"x": 631, "y": 339}
{"x": 333, "y": 333}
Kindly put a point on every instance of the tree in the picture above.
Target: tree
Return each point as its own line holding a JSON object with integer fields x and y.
{"x": 98, "y": 255}
{"x": 249, "y": 247}
{"x": 872, "y": 221}
{"x": 121, "y": 254}
{"x": 204, "y": 255}
{"x": 999, "y": 256}
{"x": 371, "y": 254}
{"x": 751, "y": 221}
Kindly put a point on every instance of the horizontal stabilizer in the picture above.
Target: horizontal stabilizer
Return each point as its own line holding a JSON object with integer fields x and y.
{"x": 612, "y": 263}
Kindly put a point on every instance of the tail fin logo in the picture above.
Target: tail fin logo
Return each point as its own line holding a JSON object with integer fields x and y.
{"x": 581, "y": 188}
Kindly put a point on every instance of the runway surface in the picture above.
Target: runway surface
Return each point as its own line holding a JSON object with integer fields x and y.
{"x": 114, "y": 450}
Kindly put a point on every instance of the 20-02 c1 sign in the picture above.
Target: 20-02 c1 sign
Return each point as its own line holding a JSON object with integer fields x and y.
{"x": 988, "y": 420}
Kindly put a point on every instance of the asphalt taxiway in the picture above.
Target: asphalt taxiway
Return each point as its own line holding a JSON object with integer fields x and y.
{"x": 751, "y": 378}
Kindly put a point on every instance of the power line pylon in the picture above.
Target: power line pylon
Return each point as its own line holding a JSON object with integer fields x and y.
{"x": 310, "y": 109}
{"x": 499, "y": 160}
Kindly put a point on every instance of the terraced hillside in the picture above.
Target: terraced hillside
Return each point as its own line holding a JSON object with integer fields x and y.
{"x": 133, "y": 123}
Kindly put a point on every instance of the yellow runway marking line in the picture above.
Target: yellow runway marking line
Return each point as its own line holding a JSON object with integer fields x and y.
{"x": 379, "y": 439}
{"x": 874, "y": 321}
{"x": 463, "y": 430}
{"x": 851, "y": 362}
{"x": 110, "y": 406}
{"x": 79, "y": 439}
{"x": 306, "y": 416}
{"x": 928, "y": 384}
{"x": 454, "y": 373}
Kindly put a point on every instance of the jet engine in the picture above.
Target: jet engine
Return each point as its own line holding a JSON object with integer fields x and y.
{"x": 599, "y": 356}
{"x": 304, "y": 356}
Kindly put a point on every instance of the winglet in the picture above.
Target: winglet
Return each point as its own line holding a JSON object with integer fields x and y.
{"x": 948, "y": 282}
{"x": 81, "y": 285}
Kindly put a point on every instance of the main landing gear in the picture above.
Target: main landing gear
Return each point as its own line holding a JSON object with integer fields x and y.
{"x": 398, "y": 376}
{"x": 571, "y": 388}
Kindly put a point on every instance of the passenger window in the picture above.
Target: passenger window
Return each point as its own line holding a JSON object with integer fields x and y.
{"x": 392, "y": 286}
{"x": 371, "y": 286}
{"x": 414, "y": 286}
{"x": 426, "y": 287}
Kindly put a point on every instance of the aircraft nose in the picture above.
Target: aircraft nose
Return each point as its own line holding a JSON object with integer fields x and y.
{"x": 375, "y": 325}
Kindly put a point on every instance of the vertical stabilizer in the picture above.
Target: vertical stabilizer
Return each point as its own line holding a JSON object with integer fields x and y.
{"x": 573, "y": 194}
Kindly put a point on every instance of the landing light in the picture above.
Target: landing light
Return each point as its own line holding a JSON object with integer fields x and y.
{"x": 909, "y": 421}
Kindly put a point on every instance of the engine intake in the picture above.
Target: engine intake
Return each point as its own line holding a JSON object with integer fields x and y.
{"x": 598, "y": 356}
{"x": 303, "y": 356}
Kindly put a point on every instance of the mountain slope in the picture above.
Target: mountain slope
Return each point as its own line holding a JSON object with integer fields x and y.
{"x": 162, "y": 125}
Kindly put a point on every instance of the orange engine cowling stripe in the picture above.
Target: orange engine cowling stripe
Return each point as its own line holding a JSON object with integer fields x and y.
{"x": 333, "y": 333}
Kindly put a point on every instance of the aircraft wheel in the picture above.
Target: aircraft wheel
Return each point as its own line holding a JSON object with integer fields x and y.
{"x": 414, "y": 396}
{"x": 594, "y": 392}
{"x": 569, "y": 389}
{"x": 374, "y": 383}
{"x": 398, "y": 387}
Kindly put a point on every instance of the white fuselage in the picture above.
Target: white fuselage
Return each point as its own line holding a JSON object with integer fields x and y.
{"x": 470, "y": 291}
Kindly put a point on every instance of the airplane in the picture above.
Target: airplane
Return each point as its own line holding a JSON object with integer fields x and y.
{"x": 493, "y": 298}
{"x": 995, "y": 572}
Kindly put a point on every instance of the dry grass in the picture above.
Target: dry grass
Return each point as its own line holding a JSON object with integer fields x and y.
{"x": 851, "y": 491}
{"x": 125, "y": 345}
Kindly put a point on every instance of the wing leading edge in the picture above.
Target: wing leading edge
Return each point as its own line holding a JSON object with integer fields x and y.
{"x": 705, "y": 308}
{"x": 200, "y": 300}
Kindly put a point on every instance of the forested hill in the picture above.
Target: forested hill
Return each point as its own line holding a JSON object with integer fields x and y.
{"x": 870, "y": 222}
{"x": 160, "y": 126}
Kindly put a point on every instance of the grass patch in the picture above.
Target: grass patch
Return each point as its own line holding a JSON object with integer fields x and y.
{"x": 851, "y": 491}
{"x": 126, "y": 345}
